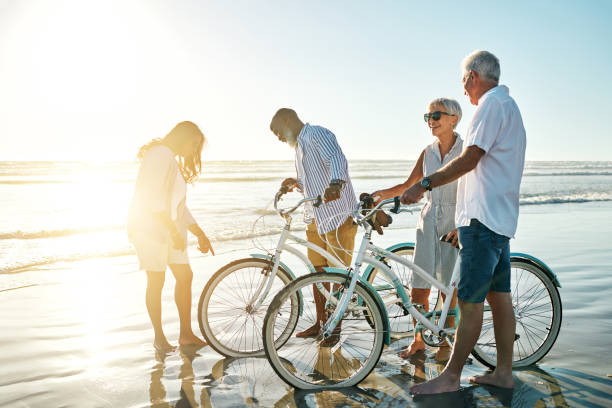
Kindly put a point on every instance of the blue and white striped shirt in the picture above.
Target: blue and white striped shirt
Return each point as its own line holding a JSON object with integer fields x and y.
{"x": 319, "y": 160}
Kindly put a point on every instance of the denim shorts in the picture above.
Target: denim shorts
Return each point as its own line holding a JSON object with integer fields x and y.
{"x": 485, "y": 262}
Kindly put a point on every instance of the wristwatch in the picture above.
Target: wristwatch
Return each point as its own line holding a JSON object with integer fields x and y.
{"x": 337, "y": 182}
{"x": 426, "y": 183}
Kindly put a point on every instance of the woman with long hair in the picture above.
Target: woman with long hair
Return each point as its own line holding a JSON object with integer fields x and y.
{"x": 159, "y": 219}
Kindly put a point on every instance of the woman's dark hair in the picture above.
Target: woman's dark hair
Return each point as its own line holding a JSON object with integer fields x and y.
{"x": 191, "y": 165}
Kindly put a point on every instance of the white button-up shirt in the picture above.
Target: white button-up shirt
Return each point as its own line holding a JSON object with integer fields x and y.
{"x": 490, "y": 192}
{"x": 319, "y": 160}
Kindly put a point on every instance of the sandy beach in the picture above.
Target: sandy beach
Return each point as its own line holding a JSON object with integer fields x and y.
{"x": 76, "y": 334}
{"x": 193, "y": 113}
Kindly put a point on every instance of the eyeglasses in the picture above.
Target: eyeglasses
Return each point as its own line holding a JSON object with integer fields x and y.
{"x": 435, "y": 115}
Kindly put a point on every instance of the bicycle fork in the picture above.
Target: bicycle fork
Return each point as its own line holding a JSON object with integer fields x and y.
{"x": 342, "y": 304}
{"x": 266, "y": 284}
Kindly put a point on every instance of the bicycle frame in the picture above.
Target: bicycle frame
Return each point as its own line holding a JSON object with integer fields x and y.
{"x": 264, "y": 288}
{"x": 366, "y": 247}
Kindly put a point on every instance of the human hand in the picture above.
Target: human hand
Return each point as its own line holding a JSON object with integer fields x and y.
{"x": 377, "y": 196}
{"x": 288, "y": 185}
{"x": 204, "y": 245}
{"x": 332, "y": 192}
{"x": 413, "y": 194}
{"x": 453, "y": 238}
{"x": 178, "y": 242}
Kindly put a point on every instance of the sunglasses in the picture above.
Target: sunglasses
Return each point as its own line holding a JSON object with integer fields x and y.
{"x": 435, "y": 115}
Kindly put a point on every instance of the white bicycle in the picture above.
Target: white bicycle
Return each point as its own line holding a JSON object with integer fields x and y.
{"x": 233, "y": 303}
{"x": 359, "y": 321}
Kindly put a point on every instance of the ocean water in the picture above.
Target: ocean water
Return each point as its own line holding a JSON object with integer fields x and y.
{"x": 67, "y": 211}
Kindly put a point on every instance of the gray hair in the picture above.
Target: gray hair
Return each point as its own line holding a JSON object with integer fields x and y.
{"x": 483, "y": 63}
{"x": 452, "y": 107}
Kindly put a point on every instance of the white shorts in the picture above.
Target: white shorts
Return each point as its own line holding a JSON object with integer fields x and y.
{"x": 155, "y": 256}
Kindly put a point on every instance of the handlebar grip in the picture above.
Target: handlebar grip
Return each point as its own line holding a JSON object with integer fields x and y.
{"x": 396, "y": 206}
{"x": 367, "y": 200}
{"x": 318, "y": 202}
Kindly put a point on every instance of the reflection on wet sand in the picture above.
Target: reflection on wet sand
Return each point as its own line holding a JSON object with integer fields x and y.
{"x": 251, "y": 382}
{"x": 186, "y": 375}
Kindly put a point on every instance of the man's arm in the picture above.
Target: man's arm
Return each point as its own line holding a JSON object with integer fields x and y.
{"x": 452, "y": 171}
{"x": 457, "y": 167}
{"x": 325, "y": 142}
{"x": 329, "y": 149}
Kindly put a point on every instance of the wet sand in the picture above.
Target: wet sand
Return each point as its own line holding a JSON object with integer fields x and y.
{"x": 77, "y": 334}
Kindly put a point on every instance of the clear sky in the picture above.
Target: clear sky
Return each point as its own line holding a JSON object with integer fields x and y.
{"x": 93, "y": 80}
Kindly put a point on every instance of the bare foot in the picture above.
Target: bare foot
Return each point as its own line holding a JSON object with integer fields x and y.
{"x": 443, "y": 383}
{"x": 495, "y": 379}
{"x": 163, "y": 346}
{"x": 412, "y": 349}
{"x": 443, "y": 354}
{"x": 191, "y": 340}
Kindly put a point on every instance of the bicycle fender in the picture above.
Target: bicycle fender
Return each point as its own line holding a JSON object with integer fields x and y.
{"x": 377, "y": 298}
{"x": 366, "y": 274}
{"x": 286, "y": 268}
{"x": 536, "y": 262}
{"x": 401, "y": 244}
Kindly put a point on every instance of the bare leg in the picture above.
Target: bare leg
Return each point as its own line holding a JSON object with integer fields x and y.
{"x": 155, "y": 284}
{"x": 320, "y": 310}
{"x": 420, "y": 296}
{"x": 465, "y": 340}
{"x": 182, "y": 298}
{"x": 504, "y": 325}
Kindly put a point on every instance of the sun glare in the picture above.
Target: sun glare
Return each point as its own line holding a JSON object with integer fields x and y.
{"x": 84, "y": 56}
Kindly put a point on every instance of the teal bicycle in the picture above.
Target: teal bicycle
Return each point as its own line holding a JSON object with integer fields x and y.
{"x": 359, "y": 321}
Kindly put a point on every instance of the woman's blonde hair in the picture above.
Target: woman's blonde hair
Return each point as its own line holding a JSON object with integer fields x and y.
{"x": 190, "y": 166}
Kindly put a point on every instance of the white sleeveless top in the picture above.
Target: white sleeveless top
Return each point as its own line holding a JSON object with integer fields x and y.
{"x": 437, "y": 218}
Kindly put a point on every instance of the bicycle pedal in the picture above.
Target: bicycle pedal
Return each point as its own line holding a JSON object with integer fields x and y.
{"x": 419, "y": 307}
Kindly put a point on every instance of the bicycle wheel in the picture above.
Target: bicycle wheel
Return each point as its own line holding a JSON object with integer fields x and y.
{"x": 225, "y": 312}
{"x": 303, "y": 362}
{"x": 400, "y": 321}
{"x": 537, "y": 309}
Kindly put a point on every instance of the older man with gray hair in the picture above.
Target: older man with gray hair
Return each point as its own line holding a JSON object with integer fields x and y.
{"x": 489, "y": 170}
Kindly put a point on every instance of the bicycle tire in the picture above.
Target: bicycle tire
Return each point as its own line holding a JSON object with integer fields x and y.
{"x": 227, "y": 325}
{"x": 304, "y": 363}
{"x": 538, "y": 311}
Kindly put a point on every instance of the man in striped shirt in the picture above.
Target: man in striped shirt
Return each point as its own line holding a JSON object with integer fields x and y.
{"x": 321, "y": 169}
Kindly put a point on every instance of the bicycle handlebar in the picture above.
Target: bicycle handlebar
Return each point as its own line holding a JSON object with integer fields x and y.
{"x": 396, "y": 207}
{"x": 318, "y": 201}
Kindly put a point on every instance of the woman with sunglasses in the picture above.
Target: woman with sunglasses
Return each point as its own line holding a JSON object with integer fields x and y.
{"x": 438, "y": 214}
{"x": 159, "y": 219}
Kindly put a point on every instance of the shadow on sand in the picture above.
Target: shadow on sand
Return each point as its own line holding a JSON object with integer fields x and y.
{"x": 251, "y": 382}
